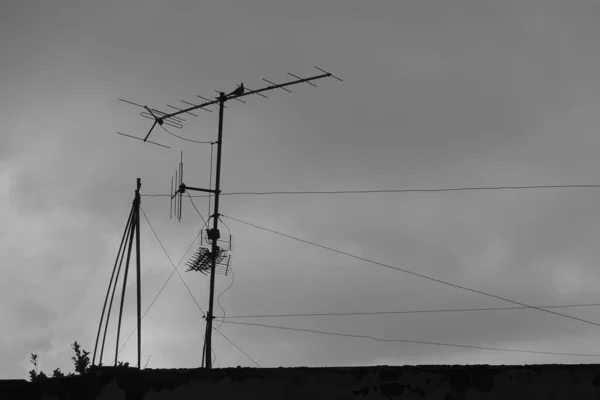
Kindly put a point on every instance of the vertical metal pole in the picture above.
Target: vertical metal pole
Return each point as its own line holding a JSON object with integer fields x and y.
{"x": 139, "y": 273}
{"x": 209, "y": 316}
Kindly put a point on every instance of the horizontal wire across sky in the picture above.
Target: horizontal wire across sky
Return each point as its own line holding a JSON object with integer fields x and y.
{"x": 425, "y": 190}
{"x": 521, "y": 306}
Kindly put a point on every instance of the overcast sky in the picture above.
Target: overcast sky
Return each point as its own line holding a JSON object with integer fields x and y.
{"x": 436, "y": 94}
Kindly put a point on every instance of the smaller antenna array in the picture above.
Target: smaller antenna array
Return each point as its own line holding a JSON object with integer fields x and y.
{"x": 176, "y": 196}
{"x": 201, "y": 260}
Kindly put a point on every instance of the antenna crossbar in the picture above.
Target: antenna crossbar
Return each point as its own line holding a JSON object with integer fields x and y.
{"x": 248, "y": 93}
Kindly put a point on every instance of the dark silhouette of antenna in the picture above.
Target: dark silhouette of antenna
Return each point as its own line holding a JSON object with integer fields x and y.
{"x": 216, "y": 258}
{"x": 132, "y": 229}
{"x": 176, "y": 196}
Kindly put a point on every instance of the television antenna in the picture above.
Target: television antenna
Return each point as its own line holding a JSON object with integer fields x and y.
{"x": 174, "y": 120}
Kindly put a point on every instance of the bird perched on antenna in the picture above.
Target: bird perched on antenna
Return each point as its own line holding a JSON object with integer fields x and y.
{"x": 237, "y": 92}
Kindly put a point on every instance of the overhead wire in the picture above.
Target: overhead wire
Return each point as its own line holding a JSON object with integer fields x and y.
{"x": 234, "y": 345}
{"x": 220, "y": 294}
{"x": 232, "y": 275}
{"x": 167, "y": 254}
{"x": 402, "y": 312}
{"x": 160, "y": 291}
{"x": 454, "y": 189}
{"x": 147, "y": 361}
{"x": 192, "y": 201}
{"x": 226, "y": 226}
{"x": 162, "y": 288}
{"x": 413, "y": 273}
{"x": 182, "y": 138}
{"x": 237, "y": 347}
{"x": 412, "y": 341}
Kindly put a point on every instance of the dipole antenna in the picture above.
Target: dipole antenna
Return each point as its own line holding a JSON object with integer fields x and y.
{"x": 132, "y": 230}
{"x": 173, "y": 119}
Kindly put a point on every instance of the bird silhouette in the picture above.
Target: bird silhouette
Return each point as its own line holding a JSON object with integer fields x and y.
{"x": 237, "y": 92}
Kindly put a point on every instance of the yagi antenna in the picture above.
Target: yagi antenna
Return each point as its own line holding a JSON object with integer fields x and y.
{"x": 173, "y": 120}
{"x": 147, "y": 141}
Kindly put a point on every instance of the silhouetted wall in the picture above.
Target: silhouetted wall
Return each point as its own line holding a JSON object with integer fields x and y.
{"x": 579, "y": 382}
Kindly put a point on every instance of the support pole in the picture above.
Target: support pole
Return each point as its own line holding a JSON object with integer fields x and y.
{"x": 133, "y": 226}
{"x": 112, "y": 276}
{"x": 215, "y": 248}
{"x": 114, "y": 289}
{"x": 139, "y": 273}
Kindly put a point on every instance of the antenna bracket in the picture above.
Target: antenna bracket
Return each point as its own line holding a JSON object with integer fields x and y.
{"x": 213, "y": 234}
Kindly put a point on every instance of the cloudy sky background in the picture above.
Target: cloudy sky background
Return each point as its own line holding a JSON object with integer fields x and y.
{"x": 435, "y": 94}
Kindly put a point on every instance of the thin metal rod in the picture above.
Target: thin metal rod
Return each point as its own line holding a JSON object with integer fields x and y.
{"x": 171, "y": 208}
{"x": 210, "y": 177}
{"x": 296, "y": 76}
{"x": 177, "y": 108}
{"x": 192, "y": 104}
{"x": 198, "y": 189}
{"x": 110, "y": 285}
{"x": 209, "y": 316}
{"x": 114, "y": 289}
{"x": 125, "y": 284}
{"x": 330, "y": 74}
{"x": 260, "y": 94}
{"x": 274, "y": 84}
{"x": 147, "y": 141}
{"x": 180, "y": 183}
{"x": 139, "y": 273}
{"x": 150, "y": 131}
{"x": 131, "y": 102}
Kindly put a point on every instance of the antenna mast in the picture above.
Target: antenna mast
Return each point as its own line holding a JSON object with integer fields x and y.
{"x": 132, "y": 230}
{"x": 213, "y": 235}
